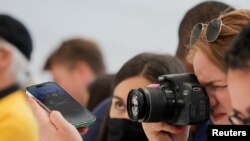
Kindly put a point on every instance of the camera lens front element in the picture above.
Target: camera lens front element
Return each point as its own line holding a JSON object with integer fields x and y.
{"x": 135, "y": 104}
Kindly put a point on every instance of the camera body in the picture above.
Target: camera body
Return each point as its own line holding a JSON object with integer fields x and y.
{"x": 179, "y": 100}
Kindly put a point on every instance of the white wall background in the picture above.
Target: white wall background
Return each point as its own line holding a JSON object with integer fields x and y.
{"x": 123, "y": 28}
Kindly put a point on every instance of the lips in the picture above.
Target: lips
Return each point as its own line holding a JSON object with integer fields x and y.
{"x": 218, "y": 116}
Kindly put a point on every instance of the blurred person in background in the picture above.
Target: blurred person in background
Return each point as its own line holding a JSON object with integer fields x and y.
{"x": 74, "y": 65}
{"x": 16, "y": 119}
{"x": 238, "y": 63}
{"x": 100, "y": 92}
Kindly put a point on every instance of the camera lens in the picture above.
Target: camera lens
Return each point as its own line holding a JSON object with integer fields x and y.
{"x": 150, "y": 105}
{"x": 135, "y": 105}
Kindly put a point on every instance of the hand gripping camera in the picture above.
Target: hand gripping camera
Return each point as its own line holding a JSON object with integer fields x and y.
{"x": 179, "y": 100}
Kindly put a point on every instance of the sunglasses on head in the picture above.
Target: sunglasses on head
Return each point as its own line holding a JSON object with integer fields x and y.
{"x": 212, "y": 32}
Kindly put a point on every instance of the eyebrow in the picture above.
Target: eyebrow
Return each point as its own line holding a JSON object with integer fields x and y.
{"x": 117, "y": 97}
{"x": 211, "y": 82}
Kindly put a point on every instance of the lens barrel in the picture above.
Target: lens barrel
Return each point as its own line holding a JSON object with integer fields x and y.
{"x": 149, "y": 105}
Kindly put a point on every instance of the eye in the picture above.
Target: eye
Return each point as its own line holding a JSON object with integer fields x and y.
{"x": 118, "y": 108}
{"x": 219, "y": 87}
{"x": 119, "y": 105}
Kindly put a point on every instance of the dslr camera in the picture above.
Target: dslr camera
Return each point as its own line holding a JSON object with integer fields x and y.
{"x": 179, "y": 100}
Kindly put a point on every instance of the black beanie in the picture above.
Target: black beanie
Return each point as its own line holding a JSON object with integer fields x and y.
{"x": 16, "y": 33}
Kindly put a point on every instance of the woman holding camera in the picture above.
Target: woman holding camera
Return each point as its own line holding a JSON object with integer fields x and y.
{"x": 208, "y": 44}
{"x": 140, "y": 71}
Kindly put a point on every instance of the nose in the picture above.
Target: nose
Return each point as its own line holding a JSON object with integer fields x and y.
{"x": 212, "y": 98}
{"x": 213, "y": 102}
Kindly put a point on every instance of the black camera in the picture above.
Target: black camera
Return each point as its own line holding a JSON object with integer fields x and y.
{"x": 179, "y": 100}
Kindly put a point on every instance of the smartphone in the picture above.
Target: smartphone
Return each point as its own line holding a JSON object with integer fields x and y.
{"x": 52, "y": 97}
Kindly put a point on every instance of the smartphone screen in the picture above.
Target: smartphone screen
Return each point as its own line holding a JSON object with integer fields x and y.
{"x": 54, "y": 97}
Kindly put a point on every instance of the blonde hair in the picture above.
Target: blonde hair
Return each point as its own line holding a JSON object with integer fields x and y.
{"x": 232, "y": 23}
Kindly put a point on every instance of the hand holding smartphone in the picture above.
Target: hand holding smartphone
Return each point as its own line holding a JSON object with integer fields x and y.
{"x": 52, "y": 97}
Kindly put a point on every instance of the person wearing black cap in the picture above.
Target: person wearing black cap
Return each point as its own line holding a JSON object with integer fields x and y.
{"x": 16, "y": 118}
